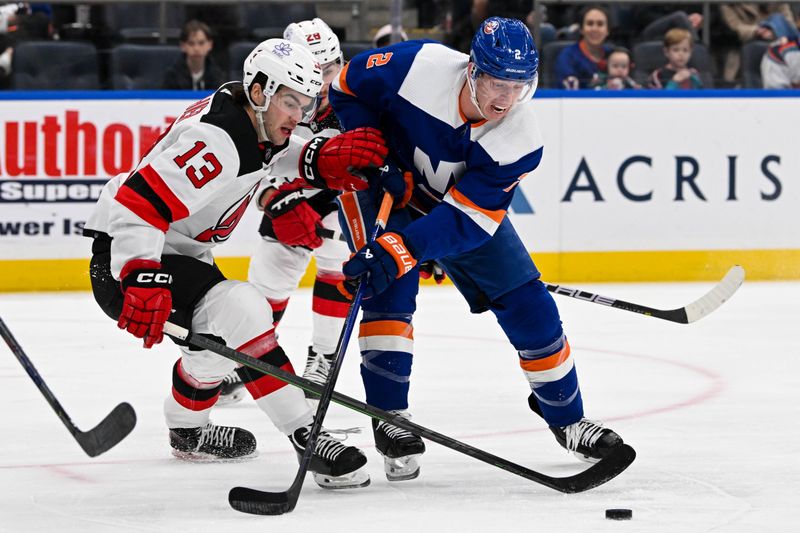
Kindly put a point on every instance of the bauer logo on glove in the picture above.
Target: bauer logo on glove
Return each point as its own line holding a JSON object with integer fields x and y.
{"x": 380, "y": 262}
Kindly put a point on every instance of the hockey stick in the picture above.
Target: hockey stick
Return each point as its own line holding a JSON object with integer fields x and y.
{"x": 274, "y": 503}
{"x": 605, "y": 470}
{"x": 693, "y": 312}
{"x": 101, "y": 438}
{"x": 705, "y": 305}
{"x": 332, "y": 234}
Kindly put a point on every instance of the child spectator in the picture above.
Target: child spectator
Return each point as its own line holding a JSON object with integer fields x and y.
{"x": 195, "y": 70}
{"x": 676, "y": 74}
{"x": 577, "y": 64}
{"x": 618, "y": 72}
{"x": 780, "y": 66}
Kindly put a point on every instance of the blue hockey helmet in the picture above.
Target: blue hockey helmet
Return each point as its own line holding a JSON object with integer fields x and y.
{"x": 504, "y": 48}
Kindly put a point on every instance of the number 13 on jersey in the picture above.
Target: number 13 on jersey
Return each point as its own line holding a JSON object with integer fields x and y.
{"x": 208, "y": 171}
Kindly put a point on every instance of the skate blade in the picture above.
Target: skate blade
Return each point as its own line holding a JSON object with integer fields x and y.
{"x": 585, "y": 458}
{"x": 199, "y": 457}
{"x": 230, "y": 399}
{"x": 401, "y": 468}
{"x": 353, "y": 480}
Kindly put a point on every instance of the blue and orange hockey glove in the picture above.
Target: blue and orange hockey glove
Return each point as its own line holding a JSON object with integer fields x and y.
{"x": 390, "y": 178}
{"x": 384, "y": 260}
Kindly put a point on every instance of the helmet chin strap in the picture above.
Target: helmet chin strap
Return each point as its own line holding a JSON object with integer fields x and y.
{"x": 261, "y": 130}
{"x": 473, "y": 97}
{"x": 259, "y": 110}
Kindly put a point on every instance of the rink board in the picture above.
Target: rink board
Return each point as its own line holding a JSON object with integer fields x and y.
{"x": 640, "y": 187}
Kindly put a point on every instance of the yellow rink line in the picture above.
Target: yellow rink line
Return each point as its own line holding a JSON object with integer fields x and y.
{"x": 72, "y": 274}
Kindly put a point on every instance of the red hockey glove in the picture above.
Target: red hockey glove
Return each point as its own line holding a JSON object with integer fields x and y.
{"x": 330, "y": 162}
{"x": 147, "y": 300}
{"x": 431, "y": 269}
{"x": 384, "y": 260}
{"x": 294, "y": 222}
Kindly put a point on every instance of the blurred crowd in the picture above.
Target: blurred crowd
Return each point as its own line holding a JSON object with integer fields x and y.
{"x": 581, "y": 46}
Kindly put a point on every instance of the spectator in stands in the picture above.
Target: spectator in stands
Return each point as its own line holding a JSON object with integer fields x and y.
{"x": 617, "y": 74}
{"x": 577, "y": 64}
{"x": 677, "y": 74}
{"x": 753, "y": 22}
{"x": 780, "y": 67}
{"x": 196, "y": 70}
{"x": 20, "y": 22}
{"x": 651, "y": 22}
{"x": 383, "y": 36}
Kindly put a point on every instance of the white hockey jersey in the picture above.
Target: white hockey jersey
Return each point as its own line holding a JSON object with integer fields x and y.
{"x": 191, "y": 189}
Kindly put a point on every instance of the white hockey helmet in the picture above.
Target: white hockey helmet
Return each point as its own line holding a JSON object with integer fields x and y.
{"x": 278, "y": 62}
{"x": 317, "y": 37}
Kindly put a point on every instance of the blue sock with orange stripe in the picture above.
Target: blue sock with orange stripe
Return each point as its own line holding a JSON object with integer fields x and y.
{"x": 529, "y": 317}
{"x": 387, "y": 345}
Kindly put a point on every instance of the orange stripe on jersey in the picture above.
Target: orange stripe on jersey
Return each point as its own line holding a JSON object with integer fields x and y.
{"x": 153, "y": 178}
{"x": 497, "y": 216}
{"x": 546, "y": 363}
{"x": 343, "y": 81}
{"x": 395, "y": 328}
{"x": 465, "y": 119}
{"x": 353, "y": 218}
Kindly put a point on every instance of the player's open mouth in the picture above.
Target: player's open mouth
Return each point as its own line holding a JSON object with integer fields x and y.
{"x": 498, "y": 109}
{"x": 286, "y": 131}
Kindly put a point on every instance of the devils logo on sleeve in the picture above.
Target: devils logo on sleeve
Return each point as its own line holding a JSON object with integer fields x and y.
{"x": 228, "y": 221}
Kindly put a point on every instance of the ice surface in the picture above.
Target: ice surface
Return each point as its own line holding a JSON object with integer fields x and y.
{"x": 711, "y": 408}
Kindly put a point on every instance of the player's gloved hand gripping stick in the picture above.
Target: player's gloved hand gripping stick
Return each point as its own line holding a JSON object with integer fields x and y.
{"x": 273, "y": 503}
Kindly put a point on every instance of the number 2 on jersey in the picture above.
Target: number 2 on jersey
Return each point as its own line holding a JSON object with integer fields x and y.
{"x": 378, "y": 60}
{"x": 208, "y": 172}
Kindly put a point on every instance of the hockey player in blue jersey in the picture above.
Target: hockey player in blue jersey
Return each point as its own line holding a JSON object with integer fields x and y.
{"x": 462, "y": 133}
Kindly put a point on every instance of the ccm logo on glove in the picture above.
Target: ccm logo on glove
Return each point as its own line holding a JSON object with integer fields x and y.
{"x": 147, "y": 300}
{"x": 154, "y": 277}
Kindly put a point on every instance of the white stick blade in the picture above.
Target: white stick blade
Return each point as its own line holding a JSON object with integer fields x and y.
{"x": 717, "y": 296}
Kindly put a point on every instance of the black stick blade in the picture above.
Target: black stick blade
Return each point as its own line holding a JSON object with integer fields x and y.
{"x": 109, "y": 432}
{"x": 263, "y": 503}
{"x": 605, "y": 470}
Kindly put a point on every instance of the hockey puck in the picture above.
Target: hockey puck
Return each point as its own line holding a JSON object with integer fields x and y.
{"x": 619, "y": 514}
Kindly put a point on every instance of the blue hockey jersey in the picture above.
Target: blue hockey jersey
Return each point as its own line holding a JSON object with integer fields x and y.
{"x": 464, "y": 172}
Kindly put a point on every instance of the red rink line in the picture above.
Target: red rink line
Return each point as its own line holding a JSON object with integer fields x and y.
{"x": 715, "y": 386}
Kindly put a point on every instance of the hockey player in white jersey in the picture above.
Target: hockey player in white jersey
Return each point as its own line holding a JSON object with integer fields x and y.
{"x": 289, "y": 229}
{"x": 154, "y": 229}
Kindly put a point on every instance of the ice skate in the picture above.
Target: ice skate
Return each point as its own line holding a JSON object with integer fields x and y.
{"x": 212, "y": 443}
{"x": 317, "y": 368}
{"x": 232, "y": 389}
{"x": 334, "y": 465}
{"x": 587, "y": 439}
{"x": 399, "y": 448}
